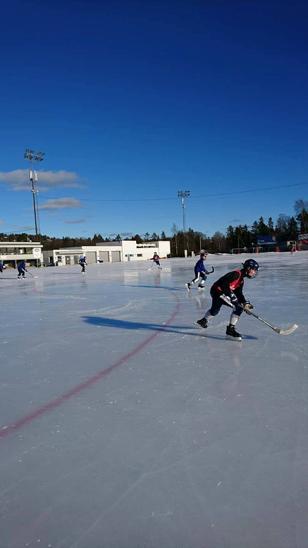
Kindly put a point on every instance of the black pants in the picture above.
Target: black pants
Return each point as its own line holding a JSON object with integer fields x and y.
{"x": 217, "y": 303}
{"x": 199, "y": 276}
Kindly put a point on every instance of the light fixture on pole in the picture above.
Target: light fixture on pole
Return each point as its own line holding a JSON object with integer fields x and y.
{"x": 33, "y": 156}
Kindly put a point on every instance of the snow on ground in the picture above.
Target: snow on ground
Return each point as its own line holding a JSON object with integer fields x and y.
{"x": 125, "y": 426}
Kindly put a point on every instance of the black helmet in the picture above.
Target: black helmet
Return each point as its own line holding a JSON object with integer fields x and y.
{"x": 251, "y": 263}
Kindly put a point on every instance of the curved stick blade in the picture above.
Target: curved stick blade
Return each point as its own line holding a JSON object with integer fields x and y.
{"x": 286, "y": 331}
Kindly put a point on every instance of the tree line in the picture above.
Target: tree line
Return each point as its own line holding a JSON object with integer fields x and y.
{"x": 287, "y": 228}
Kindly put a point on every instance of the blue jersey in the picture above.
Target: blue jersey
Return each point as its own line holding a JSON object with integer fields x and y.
{"x": 199, "y": 266}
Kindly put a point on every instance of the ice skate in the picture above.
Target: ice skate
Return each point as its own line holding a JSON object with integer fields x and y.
{"x": 188, "y": 286}
{"x": 232, "y": 333}
{"x": 203, "y": 323}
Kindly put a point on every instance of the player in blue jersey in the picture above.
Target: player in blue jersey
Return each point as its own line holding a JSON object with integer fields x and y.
{"x": 201, "y": 272}
{"x": 83, "y": 262}
{"x": 21, "y": 267}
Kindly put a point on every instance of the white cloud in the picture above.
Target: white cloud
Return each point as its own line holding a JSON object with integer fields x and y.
{"x": 75, "y": 222}
{"x": 60, "y": 203}
{"x": 18, "y": 228}
{"x": 19, "y": 179}
{"x": 26, "y": 228}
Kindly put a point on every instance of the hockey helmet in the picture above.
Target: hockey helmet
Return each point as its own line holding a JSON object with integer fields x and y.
{"x": 250, "y": 264}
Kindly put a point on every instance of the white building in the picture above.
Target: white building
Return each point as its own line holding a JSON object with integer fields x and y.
{"x": 12, "y": 252}
{"x": 108, "y": 252}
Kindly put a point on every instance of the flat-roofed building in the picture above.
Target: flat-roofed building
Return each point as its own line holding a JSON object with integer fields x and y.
{"x": 12, "y": 252}
{"x": 108, "y": 252}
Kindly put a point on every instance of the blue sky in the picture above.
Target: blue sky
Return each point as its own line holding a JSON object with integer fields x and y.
{"x": 132, "y": 101}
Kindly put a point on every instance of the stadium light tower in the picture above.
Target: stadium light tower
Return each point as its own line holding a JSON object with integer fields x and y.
{"x": 183, "y": 194}
{"x": 33, "y": 156}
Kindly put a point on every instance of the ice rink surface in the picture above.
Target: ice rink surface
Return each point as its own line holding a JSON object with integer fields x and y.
{"x": 125, "y": 426}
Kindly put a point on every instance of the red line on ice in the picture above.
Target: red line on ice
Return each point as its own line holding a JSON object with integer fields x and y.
{"x": 53, "y": 404}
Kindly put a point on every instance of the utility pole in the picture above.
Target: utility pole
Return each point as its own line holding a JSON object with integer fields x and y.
{"x": 33, "y": 156}
{"x": 182, "y": 194}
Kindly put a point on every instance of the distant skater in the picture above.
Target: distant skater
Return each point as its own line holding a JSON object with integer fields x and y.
{"x": 228, "y": 290}
{"x": 21, "y": 267}
{"x": 200, "y": 271}
{"x": 156, "y": 260}
{"x": 83, "y": 262}
{"x": 293, "y": 249}
{"x": 2, "y": 267}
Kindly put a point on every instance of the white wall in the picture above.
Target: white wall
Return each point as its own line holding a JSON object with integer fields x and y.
{"x": 147, "y": 249}
{"x": 129, "y": 251}
{"x": 16, "y": 251}
{"x": 164, "y": 248}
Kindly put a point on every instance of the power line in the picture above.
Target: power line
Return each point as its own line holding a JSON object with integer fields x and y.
{"x": 196, "y": 197}
{"x": 260, "y": 189}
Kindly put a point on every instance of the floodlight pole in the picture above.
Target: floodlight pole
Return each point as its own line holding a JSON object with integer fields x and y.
{"x": 182, "y": 194}
{"x": 33, "y": 156}
{"x": 31, "y": 178}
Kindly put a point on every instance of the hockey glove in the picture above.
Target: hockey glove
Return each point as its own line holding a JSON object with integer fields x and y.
{"x": 247, "y": 306}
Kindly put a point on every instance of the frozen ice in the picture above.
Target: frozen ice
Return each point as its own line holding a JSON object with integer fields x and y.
{"x": 125, "y": 426}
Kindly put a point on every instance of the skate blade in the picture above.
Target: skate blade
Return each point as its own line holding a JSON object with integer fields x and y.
{"x": 230, "y": 338}
{"x": 198, "y": 325}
